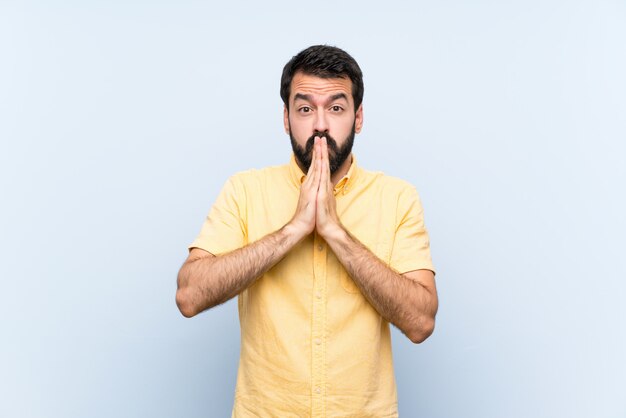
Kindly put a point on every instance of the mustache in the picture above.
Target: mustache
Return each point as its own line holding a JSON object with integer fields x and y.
{"x": 332, "y": 144}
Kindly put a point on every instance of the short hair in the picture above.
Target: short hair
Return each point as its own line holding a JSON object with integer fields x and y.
{"x": 323, "y": 61}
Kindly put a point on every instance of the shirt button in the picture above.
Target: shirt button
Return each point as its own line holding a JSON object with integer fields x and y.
{"x": 320, "y": 247}
{"x": 318, "y": 295}
{"x": 318, "y": 341}
{"x": 318, "y": 390}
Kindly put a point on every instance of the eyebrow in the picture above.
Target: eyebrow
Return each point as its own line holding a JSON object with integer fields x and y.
{"x": 309, "y": 98}
{"x": 338, "y": 96}
{"x": 301, "y": 96}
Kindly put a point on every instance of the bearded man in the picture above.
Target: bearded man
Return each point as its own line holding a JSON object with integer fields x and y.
{"x": 322, "y": 254}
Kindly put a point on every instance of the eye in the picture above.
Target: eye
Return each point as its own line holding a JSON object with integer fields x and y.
{"x": 336, "y": 108}
{"x": 304, "y": 109}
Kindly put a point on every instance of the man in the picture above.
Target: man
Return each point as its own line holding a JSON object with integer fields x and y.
{"x": 323, "y": 256}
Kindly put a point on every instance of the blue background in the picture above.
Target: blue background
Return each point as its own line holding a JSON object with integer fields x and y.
{"x": 120, "y": 121}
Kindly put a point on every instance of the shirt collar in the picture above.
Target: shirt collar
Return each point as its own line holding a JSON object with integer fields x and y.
{"x": 344, "y": 185}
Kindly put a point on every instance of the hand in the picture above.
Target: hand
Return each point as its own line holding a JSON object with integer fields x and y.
{"x": 304, "y": 218}
{"x": 316, "y": 209}
{"x": 326, "y": 219}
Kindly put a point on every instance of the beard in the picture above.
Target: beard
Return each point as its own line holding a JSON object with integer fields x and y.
{"x": 336, "y": 155}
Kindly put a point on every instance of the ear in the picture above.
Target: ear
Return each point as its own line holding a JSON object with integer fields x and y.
{"x": 358, "y": 119}
{"x": 286, "y": 119}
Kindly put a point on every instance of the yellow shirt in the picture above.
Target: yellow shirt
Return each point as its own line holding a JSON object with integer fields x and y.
{"x": 311, "y": 344}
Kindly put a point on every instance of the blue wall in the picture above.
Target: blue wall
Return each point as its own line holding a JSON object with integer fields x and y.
{"x": 120, "y": 121}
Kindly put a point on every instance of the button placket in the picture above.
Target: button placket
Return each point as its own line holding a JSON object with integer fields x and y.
{"x": 318, "y": 342}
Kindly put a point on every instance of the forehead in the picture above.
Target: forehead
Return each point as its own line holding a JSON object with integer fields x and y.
{"x": 310, "y": 84}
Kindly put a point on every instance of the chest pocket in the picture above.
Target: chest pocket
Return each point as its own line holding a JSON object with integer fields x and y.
{"x": 380, "y": 250}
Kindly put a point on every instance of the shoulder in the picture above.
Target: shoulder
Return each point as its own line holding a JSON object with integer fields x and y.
{"x": 395, "y": 192}
{"x": 383, "y": 181}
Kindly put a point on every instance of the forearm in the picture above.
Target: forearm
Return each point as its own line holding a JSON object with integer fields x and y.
{"x": 407, "y": 304}
{"x": 209, "y": 281}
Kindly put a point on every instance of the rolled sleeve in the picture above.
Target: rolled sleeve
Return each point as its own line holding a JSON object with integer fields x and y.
{"x": 411, "y": 246}
{"x": 224, "y": 229}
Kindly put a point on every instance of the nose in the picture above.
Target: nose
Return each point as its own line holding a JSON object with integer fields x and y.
{"x": 321, "y": 122}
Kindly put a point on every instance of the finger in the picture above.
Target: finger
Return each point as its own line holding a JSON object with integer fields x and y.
{"x": 325, "y": 169}
{"x": 324, "y": 149}
{"x": 313, "y": 166}
{"x": 312, "y": 163}
{"x": 318, "y": 164}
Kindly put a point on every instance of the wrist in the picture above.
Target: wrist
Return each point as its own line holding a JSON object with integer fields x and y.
{"x": 294, "y": 231}
{"x": 334, "y": 233}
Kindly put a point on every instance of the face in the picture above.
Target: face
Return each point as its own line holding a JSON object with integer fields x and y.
{"x": 325, "y": 108}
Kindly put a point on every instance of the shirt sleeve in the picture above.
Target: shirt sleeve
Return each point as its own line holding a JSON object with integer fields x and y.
{"x": 224, "y": 229}
{"x": 411, "y": 246}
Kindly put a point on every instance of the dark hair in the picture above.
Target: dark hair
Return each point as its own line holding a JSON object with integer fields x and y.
{"x": 325, "y": 62}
